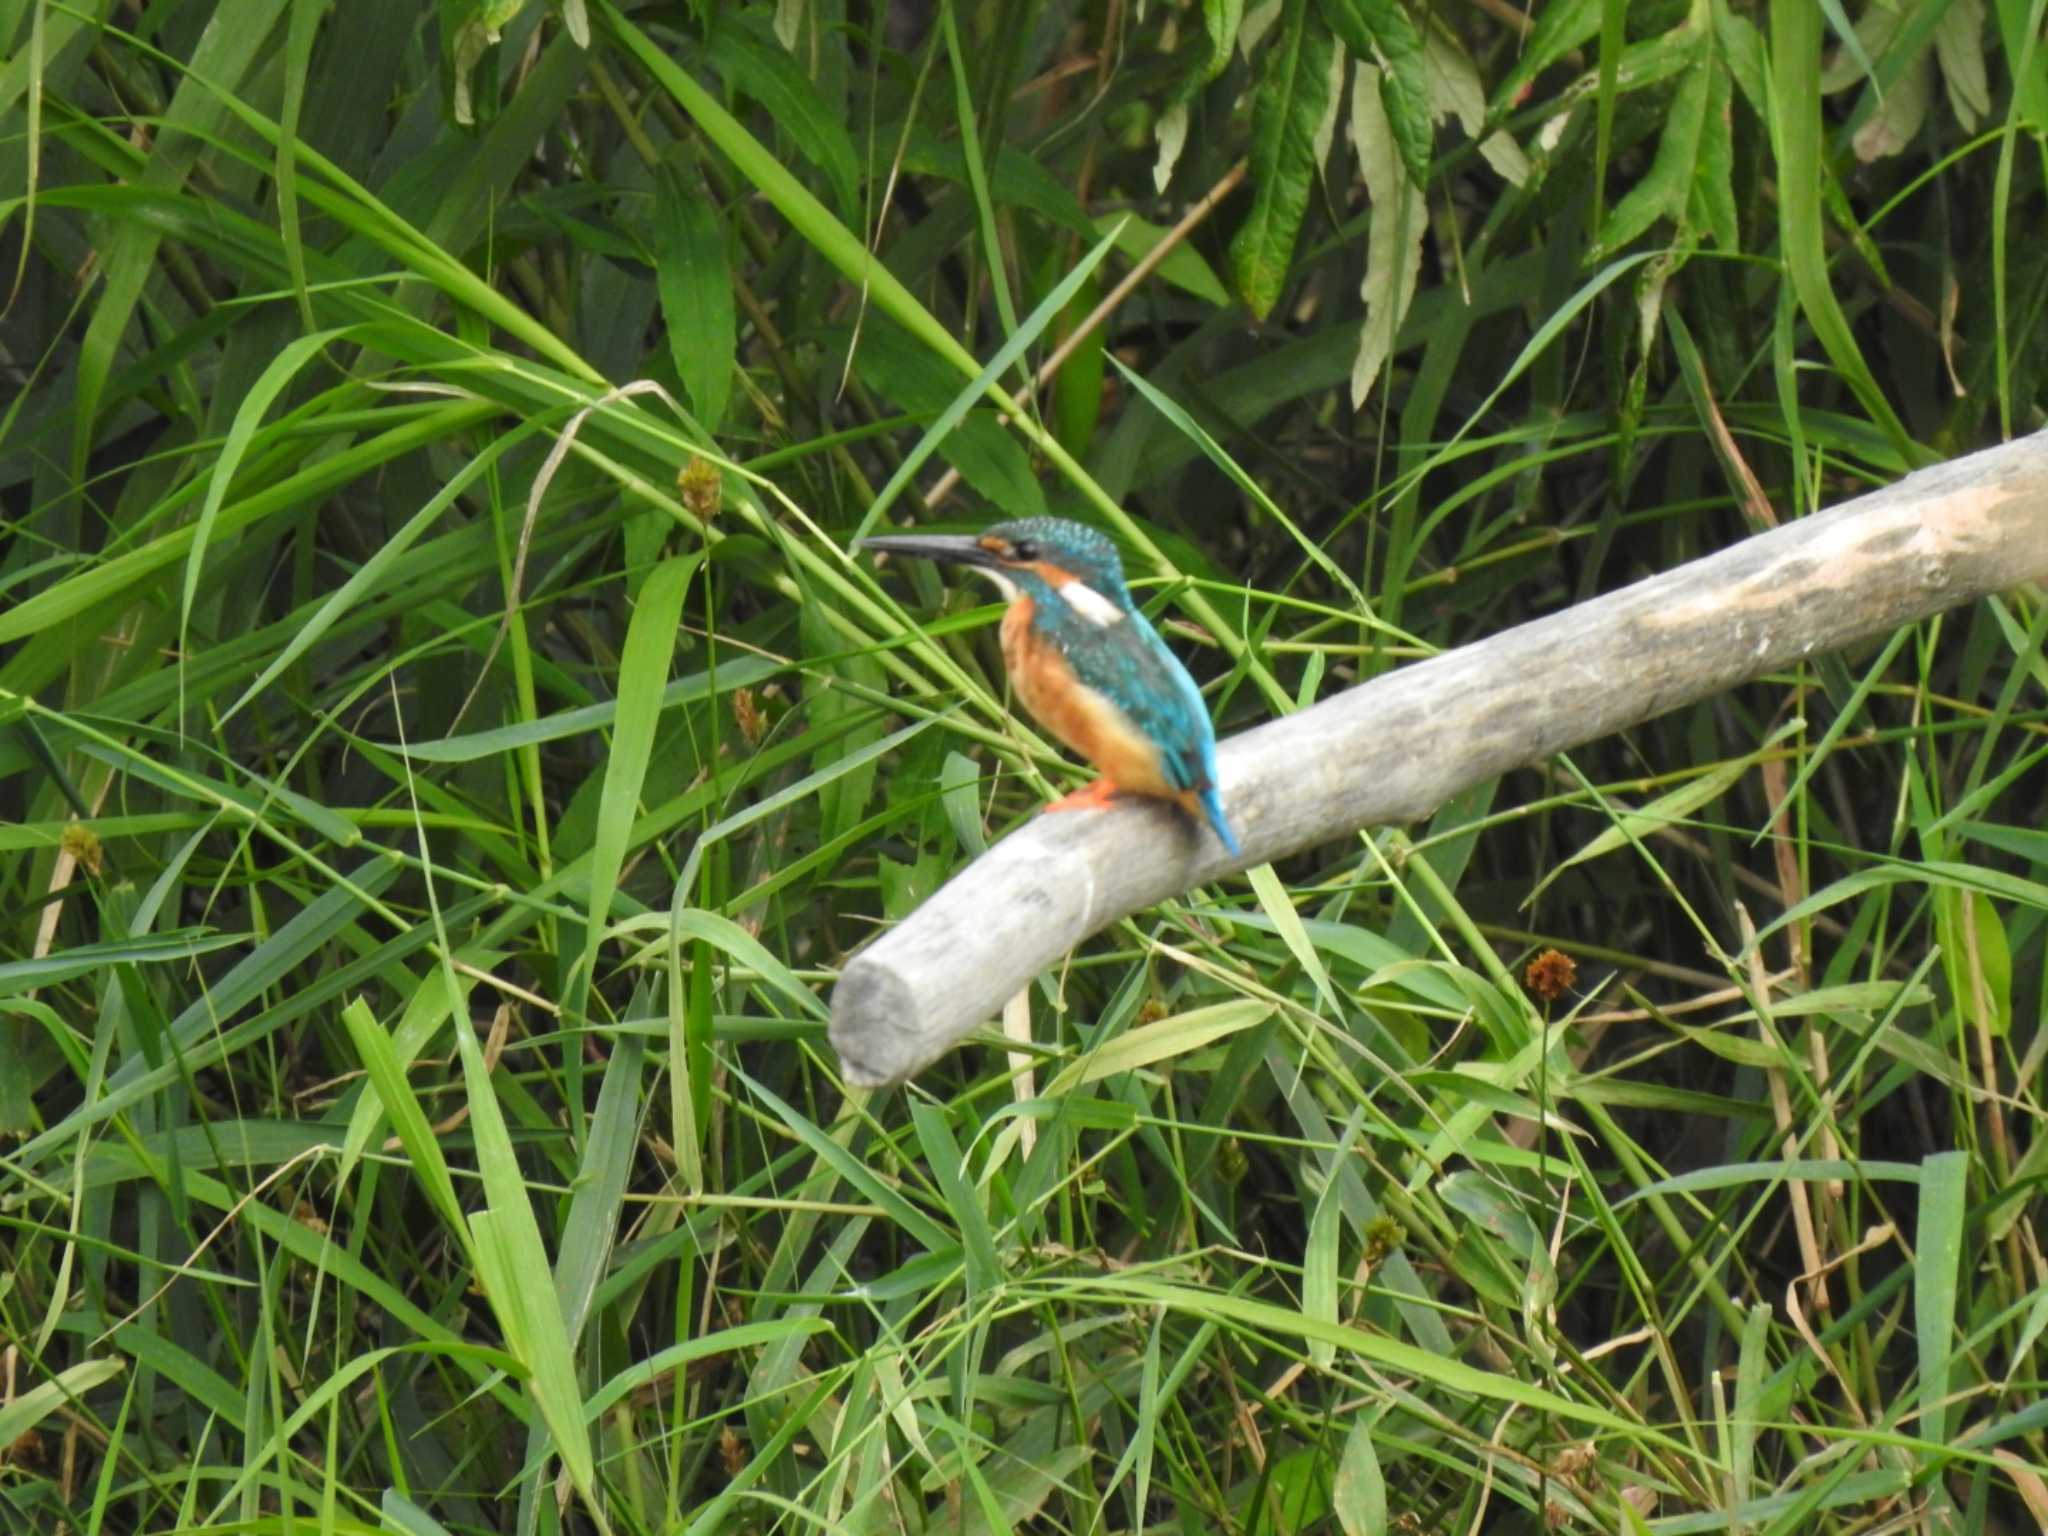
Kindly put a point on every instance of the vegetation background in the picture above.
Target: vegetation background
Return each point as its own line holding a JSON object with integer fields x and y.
{"x": 446, "y": 751}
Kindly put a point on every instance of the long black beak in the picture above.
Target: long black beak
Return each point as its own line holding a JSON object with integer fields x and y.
{"x": 948, "y": 548}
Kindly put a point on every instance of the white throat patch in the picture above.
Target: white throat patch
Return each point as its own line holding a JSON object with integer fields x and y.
{"x": 1004, "y": 585}
{"x": 1091, "y": 604}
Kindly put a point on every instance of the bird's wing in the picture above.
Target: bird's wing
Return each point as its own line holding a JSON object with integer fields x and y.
{"x": 1130, "y": 665}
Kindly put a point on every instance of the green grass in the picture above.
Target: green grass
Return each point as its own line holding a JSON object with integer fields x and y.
{"x": 446, "y": 753}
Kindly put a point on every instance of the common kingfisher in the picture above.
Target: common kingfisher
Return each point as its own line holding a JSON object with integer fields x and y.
{"x": 1088, "y": 665}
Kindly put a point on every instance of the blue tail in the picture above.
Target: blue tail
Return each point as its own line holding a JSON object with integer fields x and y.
{"x": 1212, "y": 803}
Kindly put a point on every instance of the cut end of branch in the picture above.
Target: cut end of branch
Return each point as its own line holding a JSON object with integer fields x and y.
{"x": 875, "y": 1026}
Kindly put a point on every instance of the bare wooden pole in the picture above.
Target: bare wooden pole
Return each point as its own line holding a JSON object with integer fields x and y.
{"x": 1395, "y": 748}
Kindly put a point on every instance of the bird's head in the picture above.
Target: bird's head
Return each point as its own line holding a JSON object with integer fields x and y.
{"x": 1047, "y": 559}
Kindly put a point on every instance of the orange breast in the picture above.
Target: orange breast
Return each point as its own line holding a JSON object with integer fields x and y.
{"x": 1078, "y": 716}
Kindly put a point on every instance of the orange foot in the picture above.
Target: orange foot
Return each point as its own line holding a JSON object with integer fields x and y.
{"x": 1093, "y": 796}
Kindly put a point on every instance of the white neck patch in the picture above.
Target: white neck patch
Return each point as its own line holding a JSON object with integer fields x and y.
{"x": 1091, "y": 604}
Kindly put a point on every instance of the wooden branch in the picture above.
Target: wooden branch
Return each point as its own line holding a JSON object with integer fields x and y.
{"x": 1395, "y": 748}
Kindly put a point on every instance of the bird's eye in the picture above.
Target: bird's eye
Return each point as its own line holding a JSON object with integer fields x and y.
{"x": 1024, "y": 549}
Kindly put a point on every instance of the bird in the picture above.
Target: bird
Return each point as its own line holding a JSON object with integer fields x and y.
{"x": 1088, "y": 665}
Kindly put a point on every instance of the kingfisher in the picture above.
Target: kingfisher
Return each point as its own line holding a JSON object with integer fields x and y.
{"x": 1088, "y": 665}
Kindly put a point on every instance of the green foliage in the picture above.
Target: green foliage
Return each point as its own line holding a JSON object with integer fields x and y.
{"x": 446, "y": 754}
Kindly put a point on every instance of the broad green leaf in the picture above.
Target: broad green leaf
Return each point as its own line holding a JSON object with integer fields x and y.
{"x": 1288, "y": 106}
{"x": 206, "y": 1387}
{"x": 426, "y": 1012}
{"x": 747, "y": 56}
{"x": 2019, "y": 27}
{"x": 960, "y": 793}
{"x": 643, "y": 672}
{"x": 1077, "y": 387}
{"x": 741, "y": 947}
{"x": 1898, "y": 117}
{"x": 1485, "y": 1205}
{"x": 987, "y": 457}
{"x": 696, "y": 293}
{"x": 473, "y": 29}
{"x": 1381, "y": 35}
{"x": 1560, "y": 28}
{"x": 1183, "y": 266}
{"x": 1796, "y": 134}
{"x": 1666, "y": 188}
{"x": 248, "y": 416}
{"x": 25, "y": 1411}
{"x": 85, "y": 959}
{"x": 2026, "y": 842}
{"x": 1015, "y": 180}
{"x": 510, "y": 1258}
{"x": 1944, "y": 1210}
{"x": 1396, "y": 1355}
{"x": 1319, "y": 1253}
{"x": 916, "y": 1225}
{"x": 393, "y": 1093}
{"x": 1668, "y": 810}
{"x": 1358, "y": 1498}
{"x": 963, "y": 1203}
{"x": 1393, "y": 248}
{"x": 966, "y": 117}
{"x": 1710, "y": 202}
{"x": 1455, "y": 91}
{"x": 1977, "y": 958}
{"x": 995, "y": 464}
{"x": 1220, "y": 22}
{"x": 1159, "y": 1041}
{"x": 1742, "y": 46}
{"x": 1938, "y": 873}
{"x": 1170, "y": 136}
{"x": 596, "y": 1201}
{"x": 1280, "y": 911}
{"x": 1752, "y": 1368}
{"x": 1144, "y": 1442}
{"x": 661, "y": 1365}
